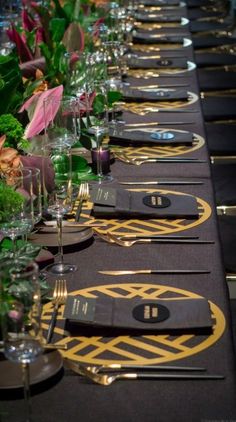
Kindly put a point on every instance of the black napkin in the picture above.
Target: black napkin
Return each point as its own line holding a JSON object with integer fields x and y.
{"x": 155, "y": 38}
{"x": 110, "y": 202}
{"x": 139, "y": 314}
{"x": 157, "y": 95}
{"x": 134, "y": 62}
{"x": 160, "y": 2}
{"x": 158, "y": 137}
{"x": 154, "y": 17}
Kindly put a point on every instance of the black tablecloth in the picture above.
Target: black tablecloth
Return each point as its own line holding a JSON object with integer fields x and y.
{"x": 68, "y": 397}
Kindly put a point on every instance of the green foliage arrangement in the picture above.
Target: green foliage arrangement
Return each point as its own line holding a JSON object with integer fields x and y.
{"x": 13, "y": 130}
{"x": 10, "y": 201}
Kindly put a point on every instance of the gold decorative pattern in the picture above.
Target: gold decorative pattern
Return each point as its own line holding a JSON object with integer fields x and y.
{"x": 143, "y": 349}
{"x": 149, "y": 226}
{"x": 163, "y": 150}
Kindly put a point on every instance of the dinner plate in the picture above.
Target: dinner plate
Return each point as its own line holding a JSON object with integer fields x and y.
{"x": 47, "y": 236}
{"x": 43, "y": 368}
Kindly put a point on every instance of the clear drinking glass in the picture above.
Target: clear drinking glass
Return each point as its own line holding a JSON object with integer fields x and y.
{"x": 21, "y": 327}
{"x": 60, "y": 201}
{"x": 99, "y": 124}
{"x": 62, "y": 120}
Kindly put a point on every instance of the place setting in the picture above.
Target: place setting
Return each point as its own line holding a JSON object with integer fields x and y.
{"x": 147, "y": 213}
{"x": 136, "y": 316}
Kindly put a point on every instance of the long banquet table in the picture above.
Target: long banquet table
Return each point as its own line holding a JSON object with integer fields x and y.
{"x": 66, "y": 396}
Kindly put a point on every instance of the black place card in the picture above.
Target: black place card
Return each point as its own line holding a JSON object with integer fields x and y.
{"x": 138, "y": 95}
{"x": 140, "y": 204}
{"x": 140, "y": 314}
{"x": 157, "y": 137}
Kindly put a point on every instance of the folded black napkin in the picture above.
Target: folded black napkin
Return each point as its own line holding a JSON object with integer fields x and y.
{"x": 155, "y": 95}
{"x": 157, "y": 137}
{"x": 154, "y": 17}
{"x": 110, "y": 202}
{"x": 155, "y": 38}
{"x": 140, "y": 314}
{"x": 160, "y": 2}
{"x": 134, "y": 62}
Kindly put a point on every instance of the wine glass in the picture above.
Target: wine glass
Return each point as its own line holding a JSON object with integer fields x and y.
{"x": 17, "y": 219}
{"x": 21, "y": 328}
{"x": 99, "y": 125}
{"x": 62, "y": 120}
{"x": 60, "y": 201}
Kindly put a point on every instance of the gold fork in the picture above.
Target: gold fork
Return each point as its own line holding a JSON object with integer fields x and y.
{"x": 108, "y": 379}
{"x": 83, "y": 195}
{"x": 59, "y": 298}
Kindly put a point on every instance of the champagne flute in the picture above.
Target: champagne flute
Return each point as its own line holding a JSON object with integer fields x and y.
{"x": 21, "y": 328}
{"x": 60, "y": 201}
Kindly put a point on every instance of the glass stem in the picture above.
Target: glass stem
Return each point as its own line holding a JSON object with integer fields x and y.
{"x": 59, "y": 238}
{"x": 99, "y": 161}
{"x": 26, "y": 385}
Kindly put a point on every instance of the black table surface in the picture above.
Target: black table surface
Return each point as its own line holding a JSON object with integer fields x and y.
{"x": 69, "y": 397}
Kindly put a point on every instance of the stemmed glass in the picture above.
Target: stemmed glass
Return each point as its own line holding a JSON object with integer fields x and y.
{"x": 99, "y": 124}
{"x": 21, "y": 328}
{"x": 60, "y": 201}
{"x": 62, "y": 120}
{"x": 18, "y": 221}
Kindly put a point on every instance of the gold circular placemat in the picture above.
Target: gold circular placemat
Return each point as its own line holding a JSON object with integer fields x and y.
{"x": 149, "y": 226}
{"x": 162, "y": 150}
{"x": 143, "y": 349}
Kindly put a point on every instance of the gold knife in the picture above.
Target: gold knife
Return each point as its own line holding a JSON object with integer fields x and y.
{"x": 130, "y": 272}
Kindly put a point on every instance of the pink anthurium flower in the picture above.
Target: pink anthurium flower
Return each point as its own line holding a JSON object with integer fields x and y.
{"x": 35, "y": 108}
{"x": 24, "y": 52}
{"x": 27, "y": 21}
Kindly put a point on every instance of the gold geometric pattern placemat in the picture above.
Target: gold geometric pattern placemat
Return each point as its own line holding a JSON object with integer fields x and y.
{"x": 143, "y": 349}
{"x": 145, "y": 107}
{"x": 149, "y": 226}
{"x": 162, "y": 150}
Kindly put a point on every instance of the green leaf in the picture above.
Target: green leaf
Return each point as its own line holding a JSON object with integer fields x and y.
{"x": 57, "y": 27}
{"x": 99, "y": 104}
{"x": 113, "y": 97}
